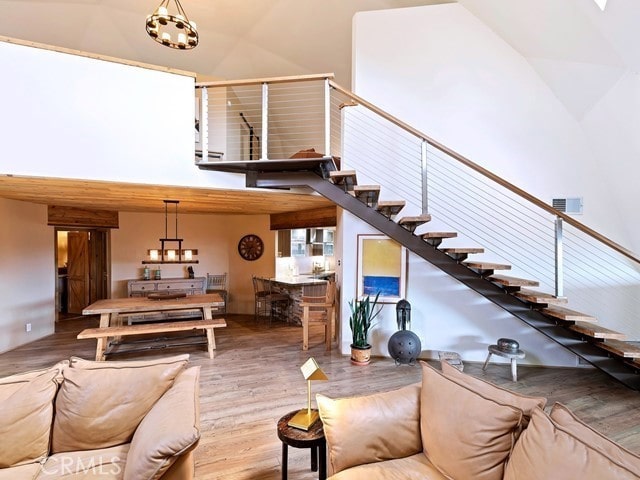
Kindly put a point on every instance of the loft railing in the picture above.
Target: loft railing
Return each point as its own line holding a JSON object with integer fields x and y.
{"x": 289, "y": 114}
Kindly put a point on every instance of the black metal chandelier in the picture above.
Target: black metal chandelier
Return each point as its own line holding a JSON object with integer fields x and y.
{"x": 172, "y": 29}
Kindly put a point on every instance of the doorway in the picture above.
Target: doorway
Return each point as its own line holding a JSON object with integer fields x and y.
{"x": 82, "y": 268}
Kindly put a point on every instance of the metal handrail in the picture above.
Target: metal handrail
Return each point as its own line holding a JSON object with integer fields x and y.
{"x": 328, "y": 77}
{"x": 488, "y": 174}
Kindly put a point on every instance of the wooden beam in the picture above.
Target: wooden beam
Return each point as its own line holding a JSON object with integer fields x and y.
{"x": 317, "y": 217}
{"x": 80, "y": 217}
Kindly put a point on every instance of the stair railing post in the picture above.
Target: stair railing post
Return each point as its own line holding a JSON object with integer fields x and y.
{"x": 204, "y": 123}
{"x": 265, "y": 122}
{"x": 559, "y": 261}
{"x": 327, "y": 118}
{"x": 425, "y": 192}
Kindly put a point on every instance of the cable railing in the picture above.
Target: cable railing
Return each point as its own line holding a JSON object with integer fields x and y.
{"x": 290, "y": 114}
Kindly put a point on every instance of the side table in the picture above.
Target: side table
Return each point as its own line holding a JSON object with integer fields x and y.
{"x": 313, "y": 439}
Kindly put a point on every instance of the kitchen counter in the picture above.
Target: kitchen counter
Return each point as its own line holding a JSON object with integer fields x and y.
{"x": 293, "y": 286}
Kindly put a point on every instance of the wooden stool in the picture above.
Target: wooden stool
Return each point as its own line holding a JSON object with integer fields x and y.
{"x": 494, "y": 350}
{"x": 313, "y": 439}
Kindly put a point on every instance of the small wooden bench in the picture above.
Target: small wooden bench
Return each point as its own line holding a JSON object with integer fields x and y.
{"x": 102, "y": 334}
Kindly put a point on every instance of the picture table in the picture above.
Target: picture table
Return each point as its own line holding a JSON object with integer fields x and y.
{"x": 112, "y": 311}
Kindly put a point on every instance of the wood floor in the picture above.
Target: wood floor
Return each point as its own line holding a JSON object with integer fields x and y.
{"x": 254, "y": 379}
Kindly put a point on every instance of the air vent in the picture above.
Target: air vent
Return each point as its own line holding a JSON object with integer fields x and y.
{"x": 572, "y": 206}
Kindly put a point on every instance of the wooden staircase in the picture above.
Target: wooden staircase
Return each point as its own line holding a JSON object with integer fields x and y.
{"x": 576, "y": 331}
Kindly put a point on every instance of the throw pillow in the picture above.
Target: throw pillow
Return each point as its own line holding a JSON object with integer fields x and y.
{"x": 494, "y": 392}
{"x": 26, "y": 414}
{"x": 171, "y": 428}
{"x": 101, "y": 406}
{"x": 465, "y": 434}
{"x": 371, "y": 428}
{"x": 566, "y": 420}
{"x": 546, "y": 450}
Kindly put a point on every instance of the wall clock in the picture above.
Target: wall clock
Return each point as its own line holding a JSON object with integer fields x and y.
{"x": 250, "y": 247}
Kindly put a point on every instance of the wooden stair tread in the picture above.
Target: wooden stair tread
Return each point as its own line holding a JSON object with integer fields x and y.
{"x": 533, "y": 296}
{"x": 477, "y": 265}
{"x": 513, "y": 281}
{"x": 389, "y": 208}
{"x": 463, "y": 250}
{"x": 343, "y": 176}
{"x": 430, "y": 235}
{"x": 596, "y": 331}
{"x": 620, "y": 348}
{"x": 567, "y": 314}
{"x": 367, "y": 194}
{"x": 411, "y": 223}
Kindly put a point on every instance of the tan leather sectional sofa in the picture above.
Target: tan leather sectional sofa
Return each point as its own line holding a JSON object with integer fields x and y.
{"x": 132, "y": 420}
{"x": 454, "y": 426}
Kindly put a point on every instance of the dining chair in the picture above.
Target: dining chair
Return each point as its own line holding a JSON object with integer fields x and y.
{"x": 217, "y": 283}
{"x": 320, "y": 309}
{"x": 269, "y": 303}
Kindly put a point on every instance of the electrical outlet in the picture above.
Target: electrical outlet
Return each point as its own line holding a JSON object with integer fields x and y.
{"x": 27, "y": 327}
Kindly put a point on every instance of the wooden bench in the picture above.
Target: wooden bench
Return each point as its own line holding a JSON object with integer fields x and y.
{"x": 102, "y": 334}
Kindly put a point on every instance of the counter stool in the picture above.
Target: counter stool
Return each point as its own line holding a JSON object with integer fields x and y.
{"x": 506, "y": 348}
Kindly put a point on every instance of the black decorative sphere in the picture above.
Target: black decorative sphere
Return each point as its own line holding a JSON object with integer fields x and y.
{"x": 405, "y": 347}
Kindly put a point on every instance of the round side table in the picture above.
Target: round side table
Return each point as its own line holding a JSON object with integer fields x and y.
{"x": 313, "y": 439}
{"x": 513, "y": 356}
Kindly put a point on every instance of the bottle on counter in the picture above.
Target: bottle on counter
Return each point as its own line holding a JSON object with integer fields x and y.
{"x": 158, "y": 274}
{"x": 146, "y": 273}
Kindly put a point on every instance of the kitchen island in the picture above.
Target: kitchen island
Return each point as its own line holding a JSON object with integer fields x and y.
{"x": 293, "y": 286}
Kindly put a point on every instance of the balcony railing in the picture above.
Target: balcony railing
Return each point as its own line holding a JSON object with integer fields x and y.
{"x": 290, "y": 114}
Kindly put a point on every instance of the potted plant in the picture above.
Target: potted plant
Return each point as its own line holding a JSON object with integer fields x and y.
{"x": 363, "y": 314}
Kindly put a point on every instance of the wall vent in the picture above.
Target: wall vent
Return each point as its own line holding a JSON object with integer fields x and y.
{"x": 572, "y": 206}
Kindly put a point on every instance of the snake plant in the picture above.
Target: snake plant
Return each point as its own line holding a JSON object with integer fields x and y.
{"x": 363, "y": 314}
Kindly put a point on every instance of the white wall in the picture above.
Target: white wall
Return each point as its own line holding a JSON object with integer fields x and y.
{"x": 27, "y": 273}
{"x": 445, "y": 314}
{"x": 69, "y": 116}
{"x": 443, "y": 71}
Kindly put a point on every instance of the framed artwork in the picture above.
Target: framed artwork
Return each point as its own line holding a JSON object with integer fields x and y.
{"x": 382, "y": 267}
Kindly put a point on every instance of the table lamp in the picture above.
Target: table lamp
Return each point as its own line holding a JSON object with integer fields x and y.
{"x": 306, "y": 417}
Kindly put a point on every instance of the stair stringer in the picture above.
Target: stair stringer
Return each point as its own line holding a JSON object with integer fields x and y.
{"x": 494, "y": 293}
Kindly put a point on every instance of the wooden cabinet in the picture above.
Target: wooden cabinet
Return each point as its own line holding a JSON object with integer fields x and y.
{"x": 142, "y": 288}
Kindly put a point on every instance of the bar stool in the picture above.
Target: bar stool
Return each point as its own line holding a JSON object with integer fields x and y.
{"x": 507, "y": 348}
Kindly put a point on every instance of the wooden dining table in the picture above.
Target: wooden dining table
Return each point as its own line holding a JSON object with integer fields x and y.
{"x": 113, "y": 310}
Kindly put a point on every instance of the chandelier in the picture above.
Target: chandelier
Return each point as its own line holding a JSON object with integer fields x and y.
{"x": 161, "y": 25}
{"x": 170, "y": 255}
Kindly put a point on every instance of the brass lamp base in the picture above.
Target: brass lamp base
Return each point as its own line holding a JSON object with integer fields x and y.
{"x": 304, "y": 419}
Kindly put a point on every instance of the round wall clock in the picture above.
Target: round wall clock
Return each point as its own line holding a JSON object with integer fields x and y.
{"x": 250, "y": 247}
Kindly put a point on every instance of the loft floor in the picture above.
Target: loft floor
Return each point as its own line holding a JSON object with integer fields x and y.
{"x": 254, "y": 379}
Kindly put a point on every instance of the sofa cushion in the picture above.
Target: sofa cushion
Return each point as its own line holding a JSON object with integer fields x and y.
{"x": 171, "y": 428}
{"x": 494, "y": 392}
{"x": 543, "y": 448}
{"x": 77, "y": 362}
{"x": 103, "y": 409}
{"x": 26, "y": 414}
{"x": 465, "y": 434}
{"x": 567, "y": 421}
{"x": 415, "y": 467}
{"x": 23, "y": 472}
{"x": 371, "y": 428}
{"x": 101, "y": 464}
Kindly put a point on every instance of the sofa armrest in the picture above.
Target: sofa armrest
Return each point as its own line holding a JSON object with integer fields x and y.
{"x": 170, "y": 429}
{"x": 371, "y": 428}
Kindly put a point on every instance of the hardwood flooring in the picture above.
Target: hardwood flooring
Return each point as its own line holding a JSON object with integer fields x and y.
{"x": 254, "y": 379}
